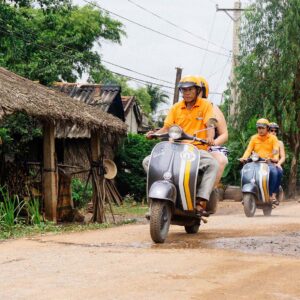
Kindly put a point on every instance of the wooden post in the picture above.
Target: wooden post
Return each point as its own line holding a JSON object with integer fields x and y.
{"x": 49, "y": 173}
{"x": 176, "y": 90}
{"x": 97, "y": 181}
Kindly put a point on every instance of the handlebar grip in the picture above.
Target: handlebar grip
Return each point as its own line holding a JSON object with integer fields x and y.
{"x": 201, "y": 141}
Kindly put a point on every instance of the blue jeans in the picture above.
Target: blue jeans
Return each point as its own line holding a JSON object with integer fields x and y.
{"x": 274, "y": 179}
{"x": 279, "y": 177}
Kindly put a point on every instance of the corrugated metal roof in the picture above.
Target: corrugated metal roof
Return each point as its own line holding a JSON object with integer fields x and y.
{"x": 105, "y": 97}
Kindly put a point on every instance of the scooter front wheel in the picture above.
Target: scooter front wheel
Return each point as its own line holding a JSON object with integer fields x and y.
{"x": 249, "y": 204}
{"x": 160, "y": 220}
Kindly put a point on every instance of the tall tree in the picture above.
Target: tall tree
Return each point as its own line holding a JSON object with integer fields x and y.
{"x": 157, "y": 96}
{"x": 53, "y": 40}
{"x": 269, "y": 71}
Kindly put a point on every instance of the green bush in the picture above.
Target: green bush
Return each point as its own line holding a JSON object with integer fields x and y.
{"x": 131, "y": 175}
{"x": 80, "y": 196}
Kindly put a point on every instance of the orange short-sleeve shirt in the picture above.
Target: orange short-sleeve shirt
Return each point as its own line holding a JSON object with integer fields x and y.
{"x": 191, "y": 120}
{"x": 265, "y": 146}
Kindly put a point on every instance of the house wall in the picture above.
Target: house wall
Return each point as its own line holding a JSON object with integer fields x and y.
{"x": 131, "y": 122}
{"x": 75, "y": 154}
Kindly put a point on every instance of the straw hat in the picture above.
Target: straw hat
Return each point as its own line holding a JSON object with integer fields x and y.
{"x": 110, "y": 169}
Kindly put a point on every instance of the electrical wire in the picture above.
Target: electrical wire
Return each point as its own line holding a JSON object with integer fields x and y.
{"x": 156, "y": 31}
{"x": 210, "y": 33}
{"x": 4, "y": 30}
{"x": 177, "y": 26}
{"x": 217, "y": 58}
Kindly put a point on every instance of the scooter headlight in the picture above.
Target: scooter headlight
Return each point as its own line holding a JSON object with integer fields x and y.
{"x": 254, "y": 157}
{"x": 175, "y": 132}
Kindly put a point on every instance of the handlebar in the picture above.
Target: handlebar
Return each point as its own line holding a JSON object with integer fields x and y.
{"x": 183, "y": 137}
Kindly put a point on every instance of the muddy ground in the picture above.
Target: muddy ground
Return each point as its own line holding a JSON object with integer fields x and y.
{"x": 232, "y": 257}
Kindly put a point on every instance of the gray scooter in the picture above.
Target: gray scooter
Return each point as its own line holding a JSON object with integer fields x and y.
{"x": 255, "y": 186}
{"x": 171, "y": 184}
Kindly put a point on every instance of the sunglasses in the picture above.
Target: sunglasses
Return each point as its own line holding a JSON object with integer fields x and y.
{"x": 273, "y": 130}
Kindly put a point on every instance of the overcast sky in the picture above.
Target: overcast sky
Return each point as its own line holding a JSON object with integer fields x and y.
{"x": 156, "y": 55}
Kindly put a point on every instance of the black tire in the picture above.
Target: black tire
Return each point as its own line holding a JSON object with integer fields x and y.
{"x": 280, "y": 195}
{"x": 249, "y": 205}
{"x": 160, "y": 220}
{"x": 192, "y": 229}
{"x": 267, "y": 210}
{"x": 212, "y": 204}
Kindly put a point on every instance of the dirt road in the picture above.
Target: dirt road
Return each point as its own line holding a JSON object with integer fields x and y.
{"x": 232, "y": 257}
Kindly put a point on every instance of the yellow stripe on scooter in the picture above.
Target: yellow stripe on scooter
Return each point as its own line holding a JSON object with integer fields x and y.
{"x": 264, "y": 182}
{"x": 187, "y": 191}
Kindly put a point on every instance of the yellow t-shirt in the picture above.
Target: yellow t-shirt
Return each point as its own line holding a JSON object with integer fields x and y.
{"x": 266, "y": 146}
{"x": 191, "y": 120}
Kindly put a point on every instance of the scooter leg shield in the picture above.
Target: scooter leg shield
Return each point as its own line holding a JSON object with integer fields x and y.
{"x": 163, "y": 190}
{"x": 250, "y": 188}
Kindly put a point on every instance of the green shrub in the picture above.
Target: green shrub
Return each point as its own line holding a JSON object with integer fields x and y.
{"x": 10, "y": 208}
{"x": 80, "y": 195}
{"x": 131, "y": 175}
{"x": 33, "y": 210}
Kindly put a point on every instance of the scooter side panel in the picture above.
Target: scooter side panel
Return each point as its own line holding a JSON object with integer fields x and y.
{"x": 179, "y": 164}
{"x": 256, "y": 173}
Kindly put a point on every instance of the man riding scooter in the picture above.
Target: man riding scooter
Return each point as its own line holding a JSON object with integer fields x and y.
{"x": 266, "y": 146}
{"x": 194, "y": 114}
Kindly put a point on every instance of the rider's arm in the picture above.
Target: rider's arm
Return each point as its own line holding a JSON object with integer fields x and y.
{"x": 221, "y": 127}
{"x": 169, "y": 121}
{"x": 281, "y": 153}
{"x": 209, "y": 120}
{"x": 275, "y": 149}
{"x": 249, "y": 149}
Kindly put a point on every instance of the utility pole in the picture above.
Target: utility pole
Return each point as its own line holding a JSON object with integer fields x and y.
{"x": 237, "y": 10}
{"x": 176, "y": 90}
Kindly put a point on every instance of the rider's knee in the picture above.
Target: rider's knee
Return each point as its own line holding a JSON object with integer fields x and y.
{"x": 145, "y": 163}
{"x": 214, "y": 164}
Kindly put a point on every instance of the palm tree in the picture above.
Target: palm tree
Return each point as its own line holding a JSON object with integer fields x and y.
{"x": 157, "y": 96}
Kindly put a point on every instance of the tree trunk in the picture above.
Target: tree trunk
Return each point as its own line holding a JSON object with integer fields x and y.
{"x": 292, "y": 185}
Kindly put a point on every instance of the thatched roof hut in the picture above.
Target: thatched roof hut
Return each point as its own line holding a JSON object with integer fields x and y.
{"x": 18, "y": 94}
{"x": 54, "y": 109}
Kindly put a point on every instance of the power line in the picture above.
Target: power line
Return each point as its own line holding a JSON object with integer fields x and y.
{"x": 210, "y": 33}
{"x": 152, "y": 77}
{"x": 217, "y": 58}
{"x": 65, "y": 55}
{"x": 156, "y": 31}
{"x": 108, "y": 62}
{"x": 175, "y": 25}
{"x": 4, "y": 30}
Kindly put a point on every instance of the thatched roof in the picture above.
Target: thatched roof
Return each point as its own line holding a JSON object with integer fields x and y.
{"x": 18, "y": 94}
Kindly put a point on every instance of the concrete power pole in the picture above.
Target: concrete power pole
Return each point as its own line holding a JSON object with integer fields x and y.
{"x": 237, "y": 10}
{"x": 176, "y": 90}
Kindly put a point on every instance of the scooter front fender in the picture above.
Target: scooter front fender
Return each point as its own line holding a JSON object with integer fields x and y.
{"x": 250, "y": 188}
{"x": 163, "y": 190}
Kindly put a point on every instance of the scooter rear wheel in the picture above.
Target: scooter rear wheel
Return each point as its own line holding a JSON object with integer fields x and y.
{"x": 160, "y": 220}
{"x": 192, "y": 229}
{"x": 249, "y": 204}
{"x": 267, "y": 210}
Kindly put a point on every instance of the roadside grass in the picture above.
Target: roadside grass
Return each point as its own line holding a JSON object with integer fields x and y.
{"x": 127, "y": 213}
{"x": 131, "y": 209}
{"x": 23, "y": 230}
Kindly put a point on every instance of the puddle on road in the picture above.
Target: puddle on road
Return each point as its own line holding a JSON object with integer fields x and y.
{"x": 286, "y": 244}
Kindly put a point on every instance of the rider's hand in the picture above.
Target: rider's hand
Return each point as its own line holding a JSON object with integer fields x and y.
{"x": 242, "y": 160}
{"x": 149, "y": 134}
{"x": 210, "y": 141}
{"x": 279, "y": 166}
